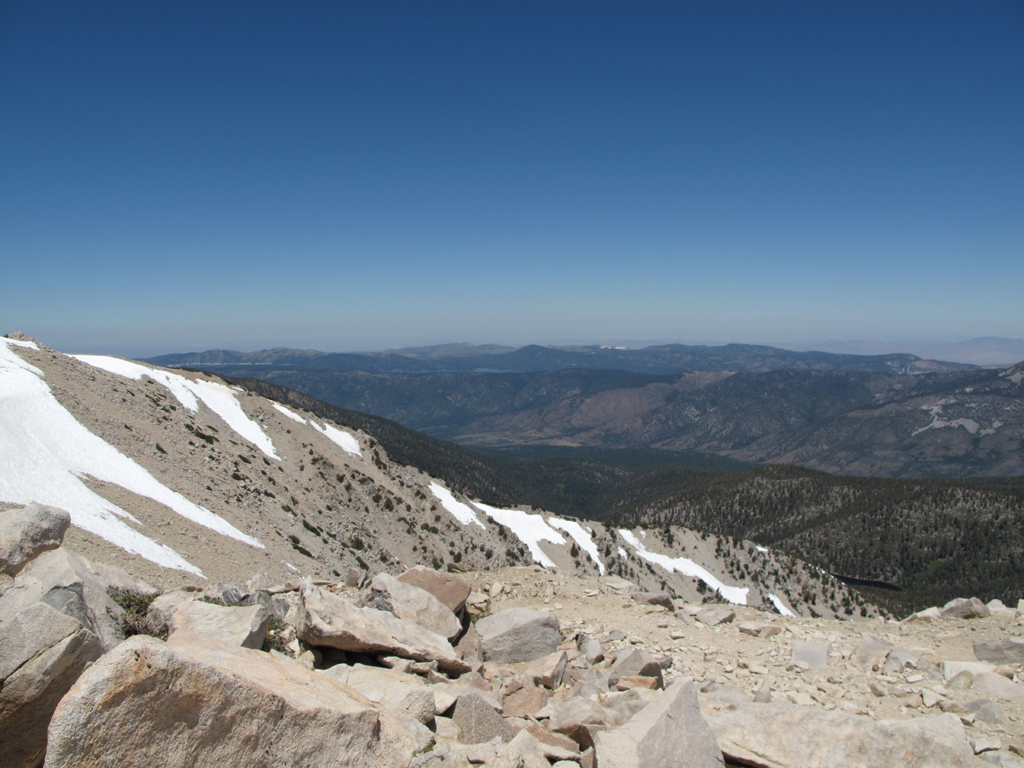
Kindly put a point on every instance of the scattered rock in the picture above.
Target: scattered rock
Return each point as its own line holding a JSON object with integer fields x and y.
{"x": 546, "y": 671}
{"x": 524, "y": 702}
{"x": 327, "y": 619}
{"x": 636, "y": 663}
{"x": 715, "y": 616}
{"x": 758, "y": 628}
{"x": 655, "y": 598}
{"x": 477, "y": 720}
{"x": 993, "y": 686}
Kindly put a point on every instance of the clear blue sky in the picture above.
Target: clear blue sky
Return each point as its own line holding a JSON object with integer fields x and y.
{"x": 188, "y": 175}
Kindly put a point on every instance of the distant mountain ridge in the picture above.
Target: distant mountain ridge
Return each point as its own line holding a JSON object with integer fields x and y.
{"x": 659, "y": 360}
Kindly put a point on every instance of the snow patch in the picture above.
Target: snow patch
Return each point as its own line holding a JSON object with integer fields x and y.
{"x": 530, "y": 529}
{"x": 780, "y": 606}
{"x": 25, "y": 344}
{"x": 760, "y": 549}
{"x": 342, "y": 439}
{"x": 45, "y": 453}
{"x": 687, "y": 567}
{"x": 217, "y": 397}
{"x": 623, "y": 553}
{"x": 581, "y": 536}
{"x": 290, "y": 414}
{"x": 461, "y": 512}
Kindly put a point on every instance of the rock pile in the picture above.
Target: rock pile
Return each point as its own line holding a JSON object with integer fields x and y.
{"x": 435, "y": 670}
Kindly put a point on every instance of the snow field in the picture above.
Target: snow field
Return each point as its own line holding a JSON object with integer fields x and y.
{"x": 686, "y": 567}
{"x": 780, "y": 606}
{"x": 217, "y": 397}
{"x": 461, "y": 512}
{"x": 45, "y": 453}
{"x": 344, "y": 440}
{"x": 581, "y": 536}
{"x": 531, "y": 529}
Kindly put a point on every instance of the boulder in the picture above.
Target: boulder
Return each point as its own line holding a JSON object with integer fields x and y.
{"x": 814, "y": 655}
{"x": 784, "y": 735}
{"x": 150, "y": 703}
{"x": 987, "y": 711}
{"x": 951, "y": 669}
{"x": 570, "y": 714}
{"x": 384, "y": 686}
{"x": 758, "y": 628}
{"x": 1007, "y": 650}
{"x": 227, "y": 594}
{"x": 546, "y": 671}
{"x": 327, "y": 619}
{"x": 592, "y": 650}
{"x": 715, "y": 616}
{"x": 636, "y": 663}
{"x": 518, "y": 634}
{"x": 871, "y": 652}
{"x": 524, "y": 702}
{"x": 161, "y": 609}
{"x": 928, "y": 614}
{"x": 477, "y": 720}
{"x": 655, "y": 598}
{"x": 670, "y": 731}
{"x": 28, "y": 532}
{"x": 42, "y": 653}
{"x": 619, "y": 584}
{"x": 246, "y": 627}
{"x": 990, "y": 685}
{"x": 962, "y": 608}
{"x": 67, "y": 582}
{"x": 416, "y": 604}
{"x": 450, "y": 590}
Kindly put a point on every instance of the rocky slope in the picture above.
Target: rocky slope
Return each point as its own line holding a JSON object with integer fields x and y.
{"x": 177, "y": 477}
{"x": 519, "y": 668}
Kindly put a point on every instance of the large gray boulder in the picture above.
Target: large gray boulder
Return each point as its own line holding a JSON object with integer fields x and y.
{"x": 416, "y": 604}
{"x": 785, "y": 735}
{"x": 963, "y": 608}
{"x": 636, "y": 663}
{"x": 243, "y": 626}
{"x": 150, "y": 703}
{"x": 477, "y": 720}
{"x": 68, "y": 583}
{"x": 329, "y": 620}
{"x": 1006, "y": 650}
{"x": 518, "y": 634}
{"x": 28, "y": 532}
{"x": 450, "y": 590}
{"x": 42, "y": 653}
{"x": 668, "y": 732}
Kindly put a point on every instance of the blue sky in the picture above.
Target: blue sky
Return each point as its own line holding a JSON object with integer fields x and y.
{"x": 344, "y": 176}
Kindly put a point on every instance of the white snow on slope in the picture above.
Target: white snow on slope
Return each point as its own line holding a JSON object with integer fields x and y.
{"x": 217, "y": 397}
{"x": 45, "y": 453}
{"x": 687, "y": 567}
{"x": 580, "y": 536}
{"x": 531, "y": 529}
{"x": 343, "y": 439}
{"x": 760, "y": 549}
{"x": 290, "y": 414}
{"x": 461, "y": 512}
{"x": 780, "y": 606}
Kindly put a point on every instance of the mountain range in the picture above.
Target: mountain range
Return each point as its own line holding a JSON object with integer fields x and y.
{"x": 882, "y": 416}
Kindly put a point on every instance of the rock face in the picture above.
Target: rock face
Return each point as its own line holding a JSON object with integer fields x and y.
{"x": 412, "y": 602}
{"x": 245, "y": 627}
{"x": 518, "y": 634}
{"x": 784, "y": 735}
{"x": 328, "y": 620}
{"x": 668, "y": 732}
{"x": 26, "y": 533}
{"x": 42, "y": 653}
{"x": 149, "y": 703}
{"x": 450, "y": 590}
